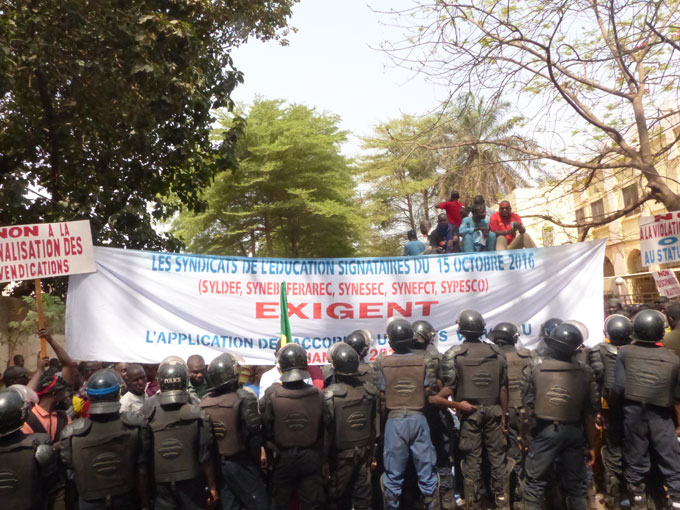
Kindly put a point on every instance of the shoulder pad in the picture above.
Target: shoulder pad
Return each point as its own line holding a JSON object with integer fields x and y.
{"x": 77, "y": 428}
{"x": 132, "y": 419}
{"x": 496, "y": 349}
{"x": 525, "y": 353}
{"x": 457, "y": 350}
{"x": 610, "y": 348}
{"x": 149, "y": 408}
{"x": 326, "y": 371}
{"x": 371, "y": 389}
{"x": 189, "y": 412}
{"x": 245, "y": 394}
{"x": 339, "y": 390}
{"x": 45, "y": 454}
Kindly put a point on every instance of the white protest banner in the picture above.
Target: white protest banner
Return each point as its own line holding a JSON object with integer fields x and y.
{"x": 667, "y": 283}
{"x": 144, "y": 306}
{"x": 45, "y": 249}
{"x": 660, "y": 238}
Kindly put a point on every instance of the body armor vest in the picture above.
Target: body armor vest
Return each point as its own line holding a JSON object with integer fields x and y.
{"x": 479, "y": 368}
{"x": 175, "y": 444}
{"x": 561, "y": 390}
{"x": 224, "y": 410}
{"x": 297, "y": 416}
{"x": 353, "y": 417}
{"x": 651, "y": 374}
{"x": 404, "y": 382}
{"x": 517, "y": 360}
{"x": 105, "y": 459}
{"x": 19, "y": 475}
{"x": 608, "y": 353}
{"x": 368, "y": 374}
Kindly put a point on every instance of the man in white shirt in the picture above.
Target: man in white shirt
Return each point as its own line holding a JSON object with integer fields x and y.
{"x": 134, "y": 399}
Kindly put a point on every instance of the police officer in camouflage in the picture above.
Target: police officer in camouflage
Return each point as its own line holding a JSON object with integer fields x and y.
{"x": 404, "y": 389}
{"x": 105, "y": 454}
{"x": 561, "y": 402}
{"x": 440, "y": 420}
{"x": 475, "y": 374}
{"x": 28, "y": 462}
{"x": 352, "y": 407}
{"x": 505, "y": 335}
{"x": 237, "y": 427}
{"x": 294, "y": 420}
{"x": 182, "y": 443}
{"x": 647, "y": 388}
{"x": 618, "y": 330}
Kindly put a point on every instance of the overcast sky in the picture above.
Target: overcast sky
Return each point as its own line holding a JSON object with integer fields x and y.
{"x": 332, "y": 64}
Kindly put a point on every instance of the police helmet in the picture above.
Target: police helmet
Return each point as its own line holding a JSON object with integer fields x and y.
{"x": 424, "y": 333}
{"x": 548, "y": 326}
{"x": 504, "y": 333}
{"x": 471, "y": 322}
{"x": 292, "y": 363}
{"x": 565, "y": 339}
{"x": 344, "y": 360}
{"x": 171, "y": 359}
{"x": 359, "y": 340}
{"x": 581, "y": 327}
{"x": 618, "y": 328}
{"x": 172, "y": 379}
{"x": 649, "y": 326}
{"x": 400, "y": 334}
{"x": 103, "y": 392}
{"x": 13, "y": 411}
{"x": 223, "y": 370}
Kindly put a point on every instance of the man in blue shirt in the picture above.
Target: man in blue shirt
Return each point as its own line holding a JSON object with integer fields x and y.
{"x": 413, "y": 247}
{"x": 475, "y": 231}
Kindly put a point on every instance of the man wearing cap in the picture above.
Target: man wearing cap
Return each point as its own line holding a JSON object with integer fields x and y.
{"x": 510, "y": 233}
{"x": 49, "y": 416}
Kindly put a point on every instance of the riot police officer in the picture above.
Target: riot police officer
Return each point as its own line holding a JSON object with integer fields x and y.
{"x": 28, "y": 462}
{"x": 505, "y": 335}
{"x": 294, "y": 420}
{"x": 237, "y": 427}
{"x": 475, "y": 373}
{"x": 618, "y": 329}
{"x": 105, "y": 453}
{"x": 404, "y": 390}
{"x": 560, "y": 399}
{"x": 360, "y": 341}
{"x": 182, "y": 443}
{"x": 352, "y": 407}
{"x": 440, "y": 421}
{"x": 546, "y": 328}
{"x": 647, "y": 387}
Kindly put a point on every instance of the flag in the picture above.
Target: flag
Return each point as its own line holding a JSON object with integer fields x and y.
{"x": 285, "y": 320}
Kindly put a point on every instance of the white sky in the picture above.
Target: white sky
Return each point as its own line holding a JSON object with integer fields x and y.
{"x": 332, "y": 63}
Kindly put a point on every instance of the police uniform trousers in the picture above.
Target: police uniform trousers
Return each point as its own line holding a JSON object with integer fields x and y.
{"x": 350, "y": 485}
{"x": 183, "y": 495}
{"x": 550, "y": 441}
{"x": 120, "y": 502}
{"x": 298, "y": 469}
{"x": 650, "y": 428}
{"x": 483, "y": 429}
{"x": 241, "y": 485}
{"x": 407, "y": 435}
{"x": 612, "y": 458}
{"x": 441, "y": 425}
{"x": 515, "y": 420}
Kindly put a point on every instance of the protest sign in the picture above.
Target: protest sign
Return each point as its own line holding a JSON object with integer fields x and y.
{"x": 144, "y": 306}
{"x": 667, "y": 283}
{"x": 47, "y": 249}
{"x": 660, "y": 238}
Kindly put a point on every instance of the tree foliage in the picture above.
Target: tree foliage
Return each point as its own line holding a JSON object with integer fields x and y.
{"x": 105, "y": 107}
{"x": 290, "y": 195}
{"x": 599, "y": 78}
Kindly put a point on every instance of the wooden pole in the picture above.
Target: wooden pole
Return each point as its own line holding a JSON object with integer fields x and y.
{"x": 41, "y": 316}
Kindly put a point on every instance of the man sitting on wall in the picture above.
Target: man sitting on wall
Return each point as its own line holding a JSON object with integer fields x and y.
{"x": 510, "y": 233}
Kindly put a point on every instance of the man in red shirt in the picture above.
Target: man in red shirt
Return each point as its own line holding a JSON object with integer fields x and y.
{"x": 510, "y": 233}
{"x": 452, "y": 208}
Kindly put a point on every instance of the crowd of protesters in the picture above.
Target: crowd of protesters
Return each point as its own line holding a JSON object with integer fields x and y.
{"x": 470, "y": 227}
{"x": 488, "y": 423}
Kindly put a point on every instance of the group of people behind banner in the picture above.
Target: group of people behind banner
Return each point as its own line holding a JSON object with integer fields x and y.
{"x": 486, "y": 423}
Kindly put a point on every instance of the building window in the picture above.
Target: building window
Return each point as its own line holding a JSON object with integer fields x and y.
{"x": 580, "y": 220}
{"x": 630, "y": 196}
{"x": 597, "y": 210}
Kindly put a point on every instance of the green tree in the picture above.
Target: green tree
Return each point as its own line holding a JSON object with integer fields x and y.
{"x": 290, "y": 196}
{"x": 105, "y": 107}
